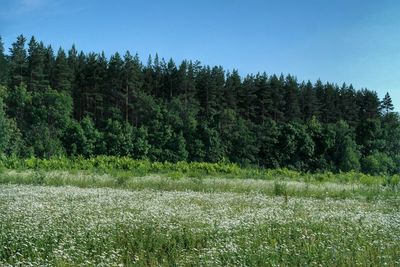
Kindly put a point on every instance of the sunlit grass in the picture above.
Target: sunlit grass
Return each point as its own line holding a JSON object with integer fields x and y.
{"x": 44, "y": 225}
{"x": 126, "y": 180}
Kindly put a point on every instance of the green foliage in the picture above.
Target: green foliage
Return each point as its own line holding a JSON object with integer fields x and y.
{"x": 88, "y": 105}
{"x": 378, "y": 163}
{"x": 296, "y": 146}
{"x": 93, "y": 139}
{"x": 10, "y": 136}
{"x": 280, "y": 188}
{"x": 110, "y": 164}
{"x": 50, "y": 117}
{"x": 71, "y": 226}
{"x": 4, "y": 65}
{"x": 344, "y": 152}
{"x": 118, "y": 137}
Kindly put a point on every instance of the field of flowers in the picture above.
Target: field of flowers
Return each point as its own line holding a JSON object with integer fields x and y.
{"x": 142, "y": 225}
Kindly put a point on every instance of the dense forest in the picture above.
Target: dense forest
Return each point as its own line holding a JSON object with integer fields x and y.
{"x": 56, "y": 103}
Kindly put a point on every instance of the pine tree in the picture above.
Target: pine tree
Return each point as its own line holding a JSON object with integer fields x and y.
{"x": 132, "y": 82}
{"x": 264, "y": 98}
{"x": 369, "y": 104}
{"x": 278, "y": 101}
{"x": 62, "y": 74}
{"x": 36, "y": 66}
{"x": 247, "y": 98}
{"x": 348, "y": 107}
{"x": 48, "y": 66}
{"x": 186, "y": 82}
{"x": 386, "y": 105}
{"x": 115, "y": 92}
{"x": 3, "y": 65}
{"x": 292, "y": 108}
{"x": 231, "y": 89}
{"x": 328, "y": 98}
{"x": 18, "y": 62}
{"x": 170, "y": 80}
{"x": 308, "y": 101}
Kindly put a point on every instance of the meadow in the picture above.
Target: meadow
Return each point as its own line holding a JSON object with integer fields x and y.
{"x": 120, "y": 212}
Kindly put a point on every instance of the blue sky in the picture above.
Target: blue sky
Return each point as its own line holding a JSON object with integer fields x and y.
{"x": 339, "y": 41}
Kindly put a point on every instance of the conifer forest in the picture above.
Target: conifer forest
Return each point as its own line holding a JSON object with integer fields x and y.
{"x": 64, "y": 102}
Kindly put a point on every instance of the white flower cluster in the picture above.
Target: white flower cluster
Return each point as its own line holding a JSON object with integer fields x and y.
{"x": 108, "y": 227}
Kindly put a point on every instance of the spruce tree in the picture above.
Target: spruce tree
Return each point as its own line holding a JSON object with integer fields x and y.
{"x": 264, "y": 98}
{"x": 115, "y": 97}
{"x": 62, "y": 74}
{"x": 36, "y": 66}
{"x": 308, "y": 101}
{"x": 278, "y": 101}
{"x": 291, "y": 95}
{"x": 18, "y": 62}
{"x": 132, "y": 82}
{"x": 386, "y": 105}
{"x": 3, "y": 65}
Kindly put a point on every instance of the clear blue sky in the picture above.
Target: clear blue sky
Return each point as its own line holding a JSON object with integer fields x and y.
{"x": 350, "y": 41}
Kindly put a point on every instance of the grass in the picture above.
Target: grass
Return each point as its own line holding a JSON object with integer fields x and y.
{"x": 189, "y": 214}
{"x": 68, "y": 226}
{"x": 209, "y": 184}
{"x": 109, "y": 164}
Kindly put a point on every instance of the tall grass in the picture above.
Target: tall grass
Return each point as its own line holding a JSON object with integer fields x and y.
{"x": 177, "y": 181}
{"x": 109, "y": 164}
{"x": 69, "y": 226}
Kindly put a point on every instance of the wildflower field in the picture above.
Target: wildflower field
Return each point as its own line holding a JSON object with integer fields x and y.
{"x": 82, "y": 217}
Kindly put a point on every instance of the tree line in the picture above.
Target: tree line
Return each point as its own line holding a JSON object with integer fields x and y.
{"x": 85, "y": 104}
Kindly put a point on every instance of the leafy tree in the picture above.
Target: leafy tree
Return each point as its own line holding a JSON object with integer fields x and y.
{"x": 267, "y": 138}
{"x": 295, "y": 145}
{"x": 44, "y": 143}
{"x": 344, "y": 152}
{"x": 323, "y": 136}
{"x": 19, "y": 106}
{"x": 50, "y": 115}
{"x": 378, "y": 163}
{"x": 214, "y": 150}
{"x": 118, "y": 138}
{"x": 10, "y": 137}
{"x": 141, "y": 146}
{"x": 94, "y": 144}
{"x": 74, "y": 139}
{"x": 390, "y": 125}
{"x": 175, "y": 148}
{"x": 370, "y": 136}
